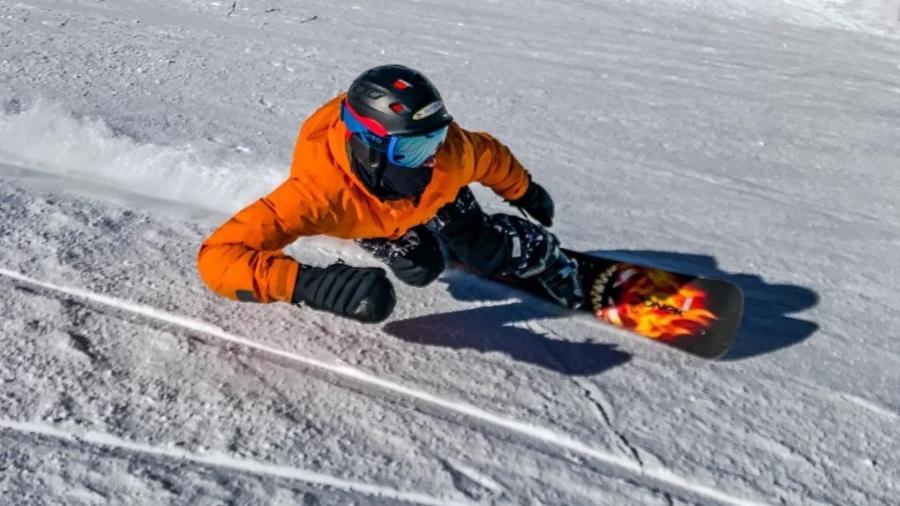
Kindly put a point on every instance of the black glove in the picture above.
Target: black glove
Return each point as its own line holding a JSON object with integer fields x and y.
{"x": 421, "y": 266}
{"x": 415, "y": 258}
{"x": 536, "y": 203}
{"x": 364, "y": 294}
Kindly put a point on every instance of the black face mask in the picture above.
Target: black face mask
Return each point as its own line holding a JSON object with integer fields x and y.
{"x": 406, "y": 181}
{"x": 384, "y": 179}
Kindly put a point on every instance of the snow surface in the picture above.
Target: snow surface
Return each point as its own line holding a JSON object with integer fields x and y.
{"x": 751, "y": 140}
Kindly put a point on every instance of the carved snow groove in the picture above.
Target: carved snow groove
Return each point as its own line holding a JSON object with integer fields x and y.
{"x": 228, "y": 462}
{"x": 599, "y": 403}
{"x": 648, "y": 476}
{"x": 470, "y": 482}
{"x": 82, "y": 344}
{"x": 288, "y": 411}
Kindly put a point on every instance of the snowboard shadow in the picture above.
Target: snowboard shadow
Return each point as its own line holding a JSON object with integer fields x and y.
{"x": 503, "y": 328}
{"x": 767, "y": 325}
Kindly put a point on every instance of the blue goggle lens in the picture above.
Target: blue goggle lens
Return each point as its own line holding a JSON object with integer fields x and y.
{"x": 415, "y": 150}
{"x": 408, "y": 151}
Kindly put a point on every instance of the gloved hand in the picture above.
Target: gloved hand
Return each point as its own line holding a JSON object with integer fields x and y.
{"x": 415, "y": 258}
{"x": 363, "y": 294}
{"x": 536, "y": 203}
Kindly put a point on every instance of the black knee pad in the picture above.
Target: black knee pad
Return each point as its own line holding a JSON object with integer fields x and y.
{"x": 497, "y": 244}
{"x": 463, "y": 228}
{"x": 457, "y": 216}
{"x": 416, "y": 258}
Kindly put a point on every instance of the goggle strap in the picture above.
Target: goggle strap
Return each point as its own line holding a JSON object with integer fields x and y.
{"x": 367, "y": 123}
{"x": 392, "y": 143}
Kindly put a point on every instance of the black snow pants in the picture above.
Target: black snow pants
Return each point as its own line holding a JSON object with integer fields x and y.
{"x": 491, "y": 244}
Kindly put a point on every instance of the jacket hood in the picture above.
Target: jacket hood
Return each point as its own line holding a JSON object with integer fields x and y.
{"x": 324, "y": 131}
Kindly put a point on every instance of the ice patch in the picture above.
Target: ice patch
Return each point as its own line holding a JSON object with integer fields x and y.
{"x": 47, "y": 138}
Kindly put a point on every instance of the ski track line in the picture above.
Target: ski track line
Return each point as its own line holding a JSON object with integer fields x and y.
{"x": 228, "y": 462}
{"x": 561, "y": 440}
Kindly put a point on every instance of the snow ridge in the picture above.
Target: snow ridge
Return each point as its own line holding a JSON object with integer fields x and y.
{"x": 657, "y": 474}
{"x": 228, "y": 462}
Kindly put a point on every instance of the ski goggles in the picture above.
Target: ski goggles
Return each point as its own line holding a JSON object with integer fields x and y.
{"x": 407, "y": 151}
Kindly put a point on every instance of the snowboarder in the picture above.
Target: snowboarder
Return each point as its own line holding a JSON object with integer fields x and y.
{"x": 384, "y": 164}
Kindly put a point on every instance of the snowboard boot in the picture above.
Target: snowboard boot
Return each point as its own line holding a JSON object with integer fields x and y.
{"x": 534, "y": 252}
{"x": 562, "y": 281}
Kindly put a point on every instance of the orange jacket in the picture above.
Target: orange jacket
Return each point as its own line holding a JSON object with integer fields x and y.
{"x": 243, "y": 260}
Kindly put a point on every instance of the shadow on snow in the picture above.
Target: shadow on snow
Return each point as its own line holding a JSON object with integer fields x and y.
{"x": 505, "y": 327}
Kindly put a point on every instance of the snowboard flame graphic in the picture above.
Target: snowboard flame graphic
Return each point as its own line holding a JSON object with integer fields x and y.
{"x": 654, "y": 303}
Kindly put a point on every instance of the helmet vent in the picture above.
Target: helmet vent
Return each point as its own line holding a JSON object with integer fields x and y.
{"x": 401, "y": 84}
{"x": 398, "y": 107}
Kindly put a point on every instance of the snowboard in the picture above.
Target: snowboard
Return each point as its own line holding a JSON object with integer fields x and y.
{"x": 694, "y": 314}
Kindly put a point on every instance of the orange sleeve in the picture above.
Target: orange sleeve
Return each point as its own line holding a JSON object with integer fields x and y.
{"x": 496, "y": 167}
{"x": 242, "y": 259}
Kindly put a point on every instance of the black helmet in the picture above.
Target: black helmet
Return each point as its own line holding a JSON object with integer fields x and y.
{"x": 387, "y": 107}
{"x": 398, "y": 99}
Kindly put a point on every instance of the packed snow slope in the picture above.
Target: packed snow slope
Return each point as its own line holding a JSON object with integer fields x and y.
{"x": 753, "y": 141}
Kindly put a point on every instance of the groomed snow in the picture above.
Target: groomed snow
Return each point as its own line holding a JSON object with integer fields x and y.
{"x": 750, "y": 140}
